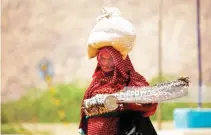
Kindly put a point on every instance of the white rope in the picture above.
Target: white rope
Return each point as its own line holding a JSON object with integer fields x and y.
{"x": 108, "y": 12}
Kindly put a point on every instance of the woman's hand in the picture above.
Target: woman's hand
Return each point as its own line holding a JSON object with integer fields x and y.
{"x": 91, "y": 111}
{"x": 121, "y": 107}
{"x": 129, "y": 106}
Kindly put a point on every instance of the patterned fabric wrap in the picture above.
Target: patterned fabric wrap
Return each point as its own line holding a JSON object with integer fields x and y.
{"x": 123, "y": 75}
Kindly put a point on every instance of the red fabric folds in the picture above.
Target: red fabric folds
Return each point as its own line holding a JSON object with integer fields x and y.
{"x": 122, "y": 75}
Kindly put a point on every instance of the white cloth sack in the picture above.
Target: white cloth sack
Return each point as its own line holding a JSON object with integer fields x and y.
{"x": 111, "y": 30}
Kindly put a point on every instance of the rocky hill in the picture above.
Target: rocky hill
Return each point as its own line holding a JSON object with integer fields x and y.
{"x": 58, "y": 30}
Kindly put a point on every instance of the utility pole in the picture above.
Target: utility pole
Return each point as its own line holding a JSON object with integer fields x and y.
{"x": 199, "y": 53}
{"x": 159, "y": 117}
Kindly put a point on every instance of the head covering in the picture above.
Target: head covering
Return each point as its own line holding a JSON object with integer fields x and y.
{"x": 123, "y": 75}
{"x": 111, "y": 30}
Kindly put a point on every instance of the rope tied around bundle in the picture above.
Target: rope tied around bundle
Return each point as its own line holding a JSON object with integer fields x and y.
{"x": 108, "y": 12}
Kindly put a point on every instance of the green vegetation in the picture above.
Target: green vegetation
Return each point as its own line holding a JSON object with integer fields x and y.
{"x": 11, "y": 129}
{"x": 40, "y": 106}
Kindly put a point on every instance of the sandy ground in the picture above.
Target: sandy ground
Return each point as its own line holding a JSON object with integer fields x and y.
{"x": 71, "y": 128}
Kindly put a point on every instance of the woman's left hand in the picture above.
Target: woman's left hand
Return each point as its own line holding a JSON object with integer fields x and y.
{"x": 121, "y": 107}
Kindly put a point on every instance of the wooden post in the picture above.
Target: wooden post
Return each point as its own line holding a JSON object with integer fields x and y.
{"x": 159, "y": 116}
{"x": 199, "y": 53}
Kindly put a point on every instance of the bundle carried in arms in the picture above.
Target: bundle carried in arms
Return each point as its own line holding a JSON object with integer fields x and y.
{"x": 104, "y": 103}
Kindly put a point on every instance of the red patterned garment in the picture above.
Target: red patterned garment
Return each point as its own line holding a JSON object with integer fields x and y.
{"x": 119, "y": 73}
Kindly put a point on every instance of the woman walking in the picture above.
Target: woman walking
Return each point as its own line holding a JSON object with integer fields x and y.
{"x": 110, "y": 41}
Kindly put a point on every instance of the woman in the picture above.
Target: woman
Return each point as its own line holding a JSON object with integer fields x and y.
{"x": 112, "y": 74}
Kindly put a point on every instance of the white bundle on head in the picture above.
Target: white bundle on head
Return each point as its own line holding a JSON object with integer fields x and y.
{"x": 111, "y": 30}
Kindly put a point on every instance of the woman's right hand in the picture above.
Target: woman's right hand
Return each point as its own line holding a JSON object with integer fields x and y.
{"x": 90, "y": 111}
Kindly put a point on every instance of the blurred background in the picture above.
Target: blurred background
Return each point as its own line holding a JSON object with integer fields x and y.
{"x": 35, "y": 30}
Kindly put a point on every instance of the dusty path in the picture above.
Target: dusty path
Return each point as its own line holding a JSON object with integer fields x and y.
{"x": 71, "y": 129}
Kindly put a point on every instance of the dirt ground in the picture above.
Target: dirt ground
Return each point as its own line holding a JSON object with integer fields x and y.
{"x": 71, "y": 128}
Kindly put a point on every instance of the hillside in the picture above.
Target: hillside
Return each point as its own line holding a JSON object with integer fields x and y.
{"x": 57, "y": 30}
